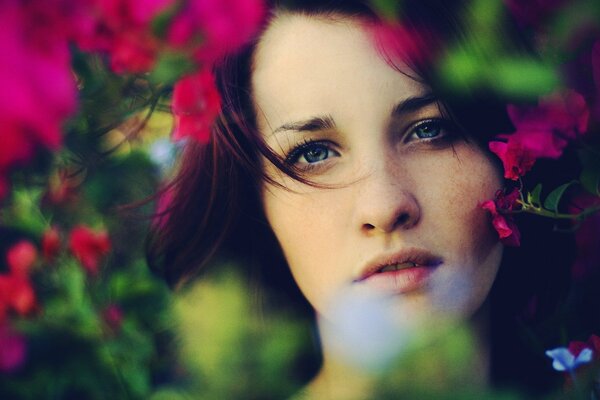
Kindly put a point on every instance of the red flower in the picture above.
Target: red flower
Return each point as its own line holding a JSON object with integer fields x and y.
{"x": 541, "y": 131}
{"x": 196, "y": 103}
{"x": 13, "y": 349}
{"x": 503, "y": 223}
{"x": 214, "y": 28}
{"x": 89, "y": 246}
{"x": 50, "y": 244}
{"x": 593, "y": 343}
{"x": 16, "y": 294}
{"x": 21, "y": 257}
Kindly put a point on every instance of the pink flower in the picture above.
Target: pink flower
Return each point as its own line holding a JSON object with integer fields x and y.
{"x": 39, "y": 90}
{"x": 399, "y": 43}
{"x": 196, "y": 103}
{"x": 565, "y": 114}
{"x": 89, "y": 246}
{"x": 504, "y": 224}
{"x": 50, "y": 244}
{"x": 13, "y": 349}
{"x": 123, "y": 30}
{"x": 541, "y": 132}
{"x": 21, "y": 257}
{"x": 214, "y": 28}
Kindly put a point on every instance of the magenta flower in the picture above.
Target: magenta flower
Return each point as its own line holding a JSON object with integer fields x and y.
{"x": 508, "y": 232}
{"x": 397, "y": 42}
{"x": 39, "y": 90}
{"x": 196, "y": 103}
{"x": 123, "y": 30}
{"x": 213, "y": 28}
{"x": 13, "y": 349}
{"x": 541, "y": 132}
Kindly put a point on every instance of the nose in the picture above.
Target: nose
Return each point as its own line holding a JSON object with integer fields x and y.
{"x": 386, "y": 202}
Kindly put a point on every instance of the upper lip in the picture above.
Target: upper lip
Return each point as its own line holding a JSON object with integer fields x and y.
{"x": 417, "y": 256}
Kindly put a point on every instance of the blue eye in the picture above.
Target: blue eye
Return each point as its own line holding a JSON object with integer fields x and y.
{"x": 309, "y": 153}
{"x": 428, "y": 129}
{"x": 315, "y": 153}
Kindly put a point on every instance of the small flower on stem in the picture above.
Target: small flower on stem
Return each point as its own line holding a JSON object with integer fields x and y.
{"x": 502, "y": 221}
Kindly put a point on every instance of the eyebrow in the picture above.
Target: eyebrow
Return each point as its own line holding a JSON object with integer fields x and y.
{"x": 310, "y": 125}
{"x": 325, "y": 122}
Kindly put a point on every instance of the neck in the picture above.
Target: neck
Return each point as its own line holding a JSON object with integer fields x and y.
{"x": 453, "y": 357}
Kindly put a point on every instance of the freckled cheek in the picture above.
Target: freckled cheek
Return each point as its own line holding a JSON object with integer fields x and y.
{"x": 457, "y": 184}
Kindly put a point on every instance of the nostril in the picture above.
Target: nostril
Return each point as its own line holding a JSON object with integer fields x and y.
{"x": 368, "y": 227}
{"x": 402, "y": 219}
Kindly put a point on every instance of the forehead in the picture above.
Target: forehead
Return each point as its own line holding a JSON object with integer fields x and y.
{"x": 311, "y": 65}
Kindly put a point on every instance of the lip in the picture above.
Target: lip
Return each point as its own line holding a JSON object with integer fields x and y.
{"x": 402, "y": 280}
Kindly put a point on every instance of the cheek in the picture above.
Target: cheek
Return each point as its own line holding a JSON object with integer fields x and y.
{"x": 462, "y": 180}
{"x": 303, "y": 226}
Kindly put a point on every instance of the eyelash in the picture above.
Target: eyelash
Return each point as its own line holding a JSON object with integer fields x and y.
{"x": 444, "y": 125}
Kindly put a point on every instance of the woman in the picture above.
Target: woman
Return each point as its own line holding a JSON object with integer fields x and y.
{"x": 338, "y": 157}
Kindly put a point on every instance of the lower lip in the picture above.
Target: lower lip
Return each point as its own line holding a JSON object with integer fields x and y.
{"x": 400, "y": 281}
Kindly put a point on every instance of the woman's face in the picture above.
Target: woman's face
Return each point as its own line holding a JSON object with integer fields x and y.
{"x": 401, "y": 218}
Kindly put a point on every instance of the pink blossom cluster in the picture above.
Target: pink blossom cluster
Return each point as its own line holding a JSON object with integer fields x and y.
{"x": 502, "y": 221}
{"x": 541, "y": 131}
{"x": 40, "y": 90}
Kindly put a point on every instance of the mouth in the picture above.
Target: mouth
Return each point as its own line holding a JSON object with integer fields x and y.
{"x": 405, "y": 271}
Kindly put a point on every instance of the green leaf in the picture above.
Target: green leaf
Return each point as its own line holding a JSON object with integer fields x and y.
{"x": 590, "y": 173}
{"x": 523, "y": 77}
{"x": 552, "y": 201}
{"x": 388, "y": 9}
{"x": 170, "y": 67}
{"x": 534, "y": 196}
{"x": 590, "y": 180}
